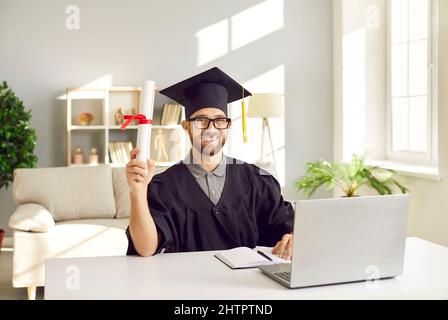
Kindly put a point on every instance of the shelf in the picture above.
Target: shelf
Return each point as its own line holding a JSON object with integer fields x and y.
{"x": 87, "y": 95}
{"x": 80, "y": 93}
{"x": 126, "y": 89}
{"x": 167, "y": 127}
{"x": 87, "y": 127}
{"x": 171, "y": 126}
{"x": 85, "y": 165}
{"x": 158, "y": 164}
{"x": 119, "y": 127}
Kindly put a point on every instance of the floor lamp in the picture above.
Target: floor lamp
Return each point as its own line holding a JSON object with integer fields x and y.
{"x": 265, "y": 106}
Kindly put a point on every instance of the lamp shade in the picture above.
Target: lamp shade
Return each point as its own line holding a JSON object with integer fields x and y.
{"x": 265, "y": 105}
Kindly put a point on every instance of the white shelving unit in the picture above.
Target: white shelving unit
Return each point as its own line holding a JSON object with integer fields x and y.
{"x": 103, "y": 103}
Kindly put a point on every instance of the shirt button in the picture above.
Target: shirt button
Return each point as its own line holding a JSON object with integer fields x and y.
{"x": 214, "y": 192}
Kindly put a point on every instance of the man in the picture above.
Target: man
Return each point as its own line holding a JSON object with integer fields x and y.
{"x": 208, "y": 201}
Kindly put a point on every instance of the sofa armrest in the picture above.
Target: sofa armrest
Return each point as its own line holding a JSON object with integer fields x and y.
{"x": 31, "y": 217}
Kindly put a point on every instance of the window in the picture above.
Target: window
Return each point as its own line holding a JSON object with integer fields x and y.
{"x": 412, "y": 106}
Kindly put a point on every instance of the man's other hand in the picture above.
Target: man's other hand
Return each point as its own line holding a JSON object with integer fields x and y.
{"x": 283, "y": 248}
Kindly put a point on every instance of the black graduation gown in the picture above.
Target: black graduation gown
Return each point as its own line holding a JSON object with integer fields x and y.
{"x": 250, "y": 212}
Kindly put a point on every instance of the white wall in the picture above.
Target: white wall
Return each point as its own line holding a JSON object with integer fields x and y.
{"x": 127, "y": 42}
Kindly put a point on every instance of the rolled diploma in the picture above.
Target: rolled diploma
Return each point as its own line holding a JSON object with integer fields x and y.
{"x": 144, "y": 130}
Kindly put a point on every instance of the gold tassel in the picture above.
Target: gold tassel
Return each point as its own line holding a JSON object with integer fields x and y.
{"x": 243, "y": 105}
{"x": 243, "y": 116}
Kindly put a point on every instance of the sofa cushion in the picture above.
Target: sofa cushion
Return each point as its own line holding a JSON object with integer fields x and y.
{"x": 121, "y": 191}
{"x": 69, "y": 193}
{"x": 107, "y": 223}
{"x": 31, "y": 217}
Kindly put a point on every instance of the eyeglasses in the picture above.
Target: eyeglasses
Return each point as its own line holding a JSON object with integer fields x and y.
{"x": 204, "y": 123}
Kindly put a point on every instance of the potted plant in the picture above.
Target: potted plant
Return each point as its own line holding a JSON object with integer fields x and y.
{"x": 17, "y": 139}
{"x": 348, "y": 177}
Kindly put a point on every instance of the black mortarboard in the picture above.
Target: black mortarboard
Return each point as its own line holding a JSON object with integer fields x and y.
{"x": 211, "y": 88}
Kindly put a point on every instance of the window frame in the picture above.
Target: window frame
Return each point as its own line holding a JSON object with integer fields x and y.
{"x": 431, "y": 155}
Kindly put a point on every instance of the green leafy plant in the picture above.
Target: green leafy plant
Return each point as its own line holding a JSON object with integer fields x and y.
{"x": 348, "y": 177}
{"x": 17, "y": 139}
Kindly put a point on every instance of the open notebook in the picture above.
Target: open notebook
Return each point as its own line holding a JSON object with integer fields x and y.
{"x": 244, "y": 257}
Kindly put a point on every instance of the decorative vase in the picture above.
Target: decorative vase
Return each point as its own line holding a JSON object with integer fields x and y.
{"x": 78, "y": 157}
{"x": 93, "y": 156}
{"x": 85, "y": 118}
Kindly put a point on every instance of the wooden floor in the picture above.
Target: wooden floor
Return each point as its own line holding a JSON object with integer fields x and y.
{"x": 7, "y": 292}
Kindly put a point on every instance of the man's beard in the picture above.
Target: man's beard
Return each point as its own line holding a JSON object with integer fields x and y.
{"x": 208, "y": 149}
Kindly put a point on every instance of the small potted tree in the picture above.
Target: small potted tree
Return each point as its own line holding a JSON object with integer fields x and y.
{"x": 17, "y": 139}
{"x": 348, "y": 178}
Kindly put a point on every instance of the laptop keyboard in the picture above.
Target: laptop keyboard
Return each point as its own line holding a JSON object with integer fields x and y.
{"x": 284, "y": 275}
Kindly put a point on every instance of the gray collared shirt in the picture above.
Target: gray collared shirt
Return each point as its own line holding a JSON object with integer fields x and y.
{"x": 212, "y": 183}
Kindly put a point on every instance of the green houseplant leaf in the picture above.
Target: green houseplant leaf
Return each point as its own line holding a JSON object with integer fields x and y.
{"x": 17, "y": 138}
{"x": 348, "y": 177}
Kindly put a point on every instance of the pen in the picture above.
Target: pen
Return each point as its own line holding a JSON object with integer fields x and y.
{"x": 264, "y": 255}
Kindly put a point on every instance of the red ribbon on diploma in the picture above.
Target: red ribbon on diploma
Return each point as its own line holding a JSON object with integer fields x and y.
{"x": 140, "y": 117}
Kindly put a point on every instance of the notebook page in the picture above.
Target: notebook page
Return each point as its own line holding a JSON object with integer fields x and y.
{"x": 242, "y": 257}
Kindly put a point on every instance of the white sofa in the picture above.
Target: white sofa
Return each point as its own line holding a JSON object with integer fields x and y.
{"x": 66, "y": 212}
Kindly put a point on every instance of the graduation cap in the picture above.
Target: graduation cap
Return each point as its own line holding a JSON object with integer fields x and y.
{"x": 210, "y": 89}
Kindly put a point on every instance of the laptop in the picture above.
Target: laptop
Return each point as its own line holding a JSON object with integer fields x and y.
{"x": 345, "y": 240}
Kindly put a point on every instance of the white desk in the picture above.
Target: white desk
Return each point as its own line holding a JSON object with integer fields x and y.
{"x": 199, "y": 275}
